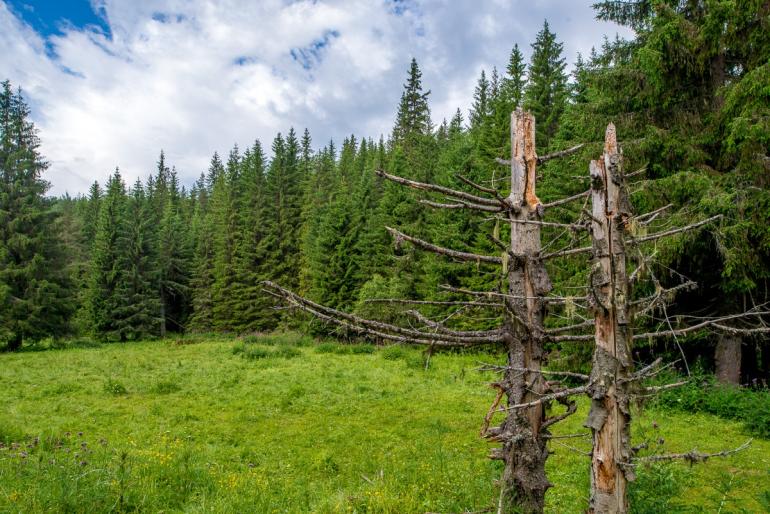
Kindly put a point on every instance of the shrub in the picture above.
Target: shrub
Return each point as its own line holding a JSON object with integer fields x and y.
{"x": 704, "y": 394}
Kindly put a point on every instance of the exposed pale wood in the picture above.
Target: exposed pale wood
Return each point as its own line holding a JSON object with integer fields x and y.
{"x": 523, "y": 484}
{"x": 609, "y": 417}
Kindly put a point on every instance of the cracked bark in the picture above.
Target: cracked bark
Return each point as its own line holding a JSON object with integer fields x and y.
{"x": 609, "y": 417}
{"x": 524, "y": 451}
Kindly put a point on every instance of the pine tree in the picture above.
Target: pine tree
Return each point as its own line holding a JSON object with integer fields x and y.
{"x": 546, "y": 92}
{"x": 34, "y": 287}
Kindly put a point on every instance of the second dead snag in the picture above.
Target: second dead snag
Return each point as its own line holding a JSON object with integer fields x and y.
{"x": 609, "y": 417}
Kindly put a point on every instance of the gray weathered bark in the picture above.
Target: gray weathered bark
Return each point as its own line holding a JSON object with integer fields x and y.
{"x": 609, "y": 417}
{"x": 727, "y": 358}
{"x": 524, "y": 451}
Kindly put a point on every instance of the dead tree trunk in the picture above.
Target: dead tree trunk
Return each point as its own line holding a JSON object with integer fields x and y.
{"x": 609, "y": 417}
{"x": 524, "y": 451}
{"x": 727, "y": 359}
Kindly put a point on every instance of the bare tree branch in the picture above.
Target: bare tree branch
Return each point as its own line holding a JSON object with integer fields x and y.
{"x": 494, "y": 367}
{"x": 433, "y": 302}
{"x": 559, "y": 154}
{"x": 708, "y": 323}
{"x": 564, "y": 253}
{"x": 547, "y": 398}
{"x": 440, "y": 189}
{"x": 652, "y": 214}
{"x": 653, "y": 237}
{"x": 569, "y": 328}
{"x": 458, "y": 338}
{"x": 444, "y": 330}
{"x": 460, "y": 205}
{"x": 494, "y": 294}
{"x": 694, "y": 455}
{"x": 567, "y": 199}
{"x": 463, "y": 256}
{"x": 483, "y": 189}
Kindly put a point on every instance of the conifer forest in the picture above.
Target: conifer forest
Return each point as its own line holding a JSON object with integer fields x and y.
{"x": 578, "y": 265}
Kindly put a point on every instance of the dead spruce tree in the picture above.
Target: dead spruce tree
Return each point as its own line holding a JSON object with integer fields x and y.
{"x": 613, "y": 385}
{"x": 523, "y": 434}
{"x": 608, "y": 307}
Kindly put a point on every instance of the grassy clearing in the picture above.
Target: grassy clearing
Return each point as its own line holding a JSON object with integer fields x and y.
{"x": 278, "y": 424}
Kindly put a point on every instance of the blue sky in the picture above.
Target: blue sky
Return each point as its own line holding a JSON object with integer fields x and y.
{"x": 111, "y": 82}
{"x": 57, "y": 16}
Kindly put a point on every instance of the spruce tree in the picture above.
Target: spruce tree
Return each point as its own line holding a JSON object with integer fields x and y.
{"x": 250, "y": 306}
{"x": 105, "y": 271}
{"x": 480, "y": 107}
{"x": 202, "y": 229}
{"x": 224, "y": 218}
{"x": 137, "y": 306}
{"x": 34, "y": 288}
{"x": 413, "y": 115}
{"x": 546, "y": 93}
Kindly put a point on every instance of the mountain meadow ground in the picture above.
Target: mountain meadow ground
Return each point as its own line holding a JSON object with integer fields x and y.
{"x": 282, "y": 423}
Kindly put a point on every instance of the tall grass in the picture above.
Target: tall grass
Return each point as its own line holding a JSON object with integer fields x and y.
{"x": 162, "y": 426}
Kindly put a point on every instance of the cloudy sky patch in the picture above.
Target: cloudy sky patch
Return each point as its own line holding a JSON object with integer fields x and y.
{"x": 111, "y": 82}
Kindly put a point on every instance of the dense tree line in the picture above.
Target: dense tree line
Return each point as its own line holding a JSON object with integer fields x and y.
{"x": 689, "y": 94}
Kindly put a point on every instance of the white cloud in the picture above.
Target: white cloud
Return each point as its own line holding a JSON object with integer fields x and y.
{"x": 196, "y": 76}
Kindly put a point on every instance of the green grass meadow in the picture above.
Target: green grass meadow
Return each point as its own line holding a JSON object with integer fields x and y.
{"x": 284, "y": 424}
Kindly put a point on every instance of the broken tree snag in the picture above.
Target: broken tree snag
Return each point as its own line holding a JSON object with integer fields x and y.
{"x": 609, "y": 417}
{"x": 523, "y": 484}
{"x": 728, "y": 359}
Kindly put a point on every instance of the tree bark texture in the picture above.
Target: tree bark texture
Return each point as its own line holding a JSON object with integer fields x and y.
{"x": 609, "y": 418}
{"x": 727, "y": 358}
{"x": 524, "y": 451}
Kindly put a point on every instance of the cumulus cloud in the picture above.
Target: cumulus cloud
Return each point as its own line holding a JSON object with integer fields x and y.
{"x": 195, "y": 76}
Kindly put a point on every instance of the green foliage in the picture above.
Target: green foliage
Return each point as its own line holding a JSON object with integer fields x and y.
{"x": 703, "y": 394}
{"x": 114, "y": 387}
{"x": 34, "y": 288}
{"x": 546, "y": 93}
{"x": 655, "y": 489}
